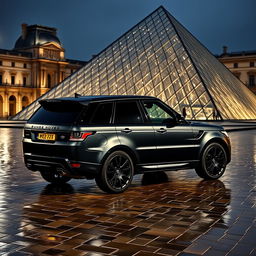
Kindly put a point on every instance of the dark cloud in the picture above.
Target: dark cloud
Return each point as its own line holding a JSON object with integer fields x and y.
{"x": 86, "y": 27}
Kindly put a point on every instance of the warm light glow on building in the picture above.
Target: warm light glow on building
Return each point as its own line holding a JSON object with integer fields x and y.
{"x": 32, "y": 68}
{"x": 159, "y": 57}
{"x": 41, "y": 52}
{"x": 242, "y": 65}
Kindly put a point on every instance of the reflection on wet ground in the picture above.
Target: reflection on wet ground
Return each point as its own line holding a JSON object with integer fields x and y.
{"x": 173, "y": 213}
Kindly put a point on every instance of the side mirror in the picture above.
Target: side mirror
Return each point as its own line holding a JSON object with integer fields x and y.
{"x": 180, "y": 117}
{"x": 169, "y": 122}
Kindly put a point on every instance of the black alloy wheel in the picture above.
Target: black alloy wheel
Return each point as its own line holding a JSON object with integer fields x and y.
{"x": 117, "y": 173}
{"x": 213, "y": 162}
{"x": 54, "y": 177}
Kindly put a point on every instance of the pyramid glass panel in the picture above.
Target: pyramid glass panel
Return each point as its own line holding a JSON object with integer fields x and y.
{"x": 159, "y": 57}
{"x": 230, "y": 96}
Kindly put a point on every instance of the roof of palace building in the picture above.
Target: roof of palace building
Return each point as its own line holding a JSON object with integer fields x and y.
{"x": 35, "y": 35}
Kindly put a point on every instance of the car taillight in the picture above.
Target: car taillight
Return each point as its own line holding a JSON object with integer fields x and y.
{"x": 27, "y": 134}
{"x": 75, "y": 165}
{"x": 79, "y": 136}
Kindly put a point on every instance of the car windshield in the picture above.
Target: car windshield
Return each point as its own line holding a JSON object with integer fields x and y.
{"x": 57, "y": 113}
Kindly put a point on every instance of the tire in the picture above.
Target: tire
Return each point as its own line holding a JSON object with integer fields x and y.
{"x": 54, "y": 177}
{"x": 116, "y": 174}
{"x": 213, "y": 162}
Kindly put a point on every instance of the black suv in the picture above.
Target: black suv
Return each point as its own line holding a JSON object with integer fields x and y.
{"x": 112, "y": 138}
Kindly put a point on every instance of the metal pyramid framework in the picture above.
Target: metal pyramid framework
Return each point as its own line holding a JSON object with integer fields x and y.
{"x": 159, "y": 57}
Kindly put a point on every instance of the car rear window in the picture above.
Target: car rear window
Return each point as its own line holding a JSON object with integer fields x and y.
{"x": 58, "y": 113}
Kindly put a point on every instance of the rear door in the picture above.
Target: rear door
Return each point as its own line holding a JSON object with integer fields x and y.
{"x": 133, "y": 132}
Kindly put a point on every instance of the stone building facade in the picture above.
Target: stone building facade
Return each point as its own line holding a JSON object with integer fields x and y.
{"x": 242, "y": 64}
{"x": 36, "y": 64}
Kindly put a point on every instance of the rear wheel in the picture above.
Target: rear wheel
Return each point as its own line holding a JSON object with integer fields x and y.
{"x": 117, "y": 173}
{"x": 213, "y": 162}
{"x": 54, "y": 177}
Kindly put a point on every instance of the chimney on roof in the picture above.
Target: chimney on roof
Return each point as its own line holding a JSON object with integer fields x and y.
{"x": 54, "y": 31}
{"x": 225, "y": 49}
{"x": 24, "y": 30}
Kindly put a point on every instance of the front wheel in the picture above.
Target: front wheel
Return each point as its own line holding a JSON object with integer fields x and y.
{"x": 213, "y": 162}
{"x": 117, "y": 173}
{"x": 54, "y": 177}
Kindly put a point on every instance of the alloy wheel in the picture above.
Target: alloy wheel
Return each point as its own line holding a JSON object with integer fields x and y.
{"x": 215, "y": 160}
{"x": 119, "y": 172}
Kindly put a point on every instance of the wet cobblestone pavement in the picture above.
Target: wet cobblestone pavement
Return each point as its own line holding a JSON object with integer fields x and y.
{"x": 174, "y": 213}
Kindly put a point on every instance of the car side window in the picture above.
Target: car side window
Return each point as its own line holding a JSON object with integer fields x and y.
{"x": 128, "y": 113}
{"x": 156, "y": 113}
{"x": 102, "y": 114}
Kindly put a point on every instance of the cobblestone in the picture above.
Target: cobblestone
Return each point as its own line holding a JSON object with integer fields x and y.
{"x": 174, "y": 213}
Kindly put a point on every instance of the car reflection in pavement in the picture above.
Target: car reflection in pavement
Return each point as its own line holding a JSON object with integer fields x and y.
{"x": 162, "y": 213}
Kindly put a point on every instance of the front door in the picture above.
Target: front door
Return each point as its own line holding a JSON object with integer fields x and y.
{"x": 174, "y": 140}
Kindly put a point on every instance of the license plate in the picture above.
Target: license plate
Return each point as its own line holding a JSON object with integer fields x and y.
{"x": 46, "y": 136}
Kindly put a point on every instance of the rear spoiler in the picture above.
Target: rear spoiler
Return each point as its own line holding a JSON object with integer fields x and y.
{"x": 47, "y": 102}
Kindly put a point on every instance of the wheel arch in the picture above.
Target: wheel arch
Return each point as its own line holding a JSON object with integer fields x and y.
{"x": 126, "y": 149}
{"x": 221, "y": 142}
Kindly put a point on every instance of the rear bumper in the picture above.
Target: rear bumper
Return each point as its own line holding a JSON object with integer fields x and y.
{"x": 40, "y": 163}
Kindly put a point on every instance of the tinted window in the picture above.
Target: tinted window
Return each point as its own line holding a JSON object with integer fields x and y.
{"x": 102, "y": 115}
{"x": 156, "y": 112}
{"x": 57, "y": 113}
{"x": 127, "y": 113}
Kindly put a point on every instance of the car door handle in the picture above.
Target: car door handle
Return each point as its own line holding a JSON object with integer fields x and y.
{"x": 161, "y": 130}
{"x": 126, "y": 130}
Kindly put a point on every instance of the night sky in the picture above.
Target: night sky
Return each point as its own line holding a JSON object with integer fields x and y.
{"x": 85, "y": 27}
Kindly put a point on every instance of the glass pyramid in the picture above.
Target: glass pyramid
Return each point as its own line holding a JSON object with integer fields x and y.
{"x": 159, "y": 57}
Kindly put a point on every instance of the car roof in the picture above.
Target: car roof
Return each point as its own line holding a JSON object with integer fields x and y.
{"x": 88, "y": 99}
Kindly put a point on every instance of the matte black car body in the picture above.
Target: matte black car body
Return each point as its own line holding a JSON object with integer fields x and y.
{"x": 150, "y": 143}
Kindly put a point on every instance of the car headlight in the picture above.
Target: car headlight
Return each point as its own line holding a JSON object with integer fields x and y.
{"x": 224, "y": 132}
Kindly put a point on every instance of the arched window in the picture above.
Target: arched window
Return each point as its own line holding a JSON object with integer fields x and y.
{"x": 49, "y": 81}
{"x": 24, "y": 101}
{"x": 1, "y": 107}
{"x": 12, "y": 105}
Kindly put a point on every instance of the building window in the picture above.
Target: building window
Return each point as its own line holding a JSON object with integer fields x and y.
{"x": 12, "y": 79}
{"x": 24, "y": 81}
{"x": 25, "y": 65}
{"x": 24, "y": 102}
{"x": 13, "y": 64}
{"x": 237, "y": 75}
{"x": 252, "y": 64}
{"x": 251, "y": 80}
{"x": 49, "y": 81}
{"x": 1, "y": 79}
{"x": 235, "y": 65}
{"x": 12, "y": 106}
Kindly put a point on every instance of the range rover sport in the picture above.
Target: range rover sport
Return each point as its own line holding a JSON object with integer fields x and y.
{"x": 112, "y": 138}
